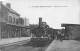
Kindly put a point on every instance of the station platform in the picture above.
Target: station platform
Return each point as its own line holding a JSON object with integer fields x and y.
{"x": 65, "y": 45}
{"x": 14, "y": 41}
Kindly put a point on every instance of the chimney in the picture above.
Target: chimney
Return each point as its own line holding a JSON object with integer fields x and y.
{"x": 40, "y": 21}
{"x": 0, "y": 2}
{"x": 8, "y": 5}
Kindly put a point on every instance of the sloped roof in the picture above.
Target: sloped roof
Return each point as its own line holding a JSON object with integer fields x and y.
{"x": 11, "y": 10}
{"x": 63, "y": 25}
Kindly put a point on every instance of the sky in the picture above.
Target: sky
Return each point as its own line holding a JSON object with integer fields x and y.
{"x": 54, "y": 12}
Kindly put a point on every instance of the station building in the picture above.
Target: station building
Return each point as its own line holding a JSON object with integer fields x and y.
{"x": 72, "y": 31}
{"x": 11, "y": 24}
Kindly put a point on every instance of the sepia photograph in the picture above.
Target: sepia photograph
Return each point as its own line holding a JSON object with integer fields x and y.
{"x": 39, "y": 25}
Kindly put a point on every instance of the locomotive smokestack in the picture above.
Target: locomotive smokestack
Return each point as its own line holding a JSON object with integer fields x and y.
{"x": 40, "y": 21}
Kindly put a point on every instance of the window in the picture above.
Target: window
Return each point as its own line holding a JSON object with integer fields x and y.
{"x": 14, "y": 20}
{"x": 10, "y": 19}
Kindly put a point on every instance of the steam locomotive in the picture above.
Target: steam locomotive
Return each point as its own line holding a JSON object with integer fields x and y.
{"x": 41, "y": 38}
